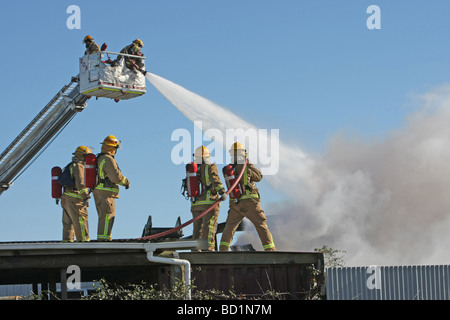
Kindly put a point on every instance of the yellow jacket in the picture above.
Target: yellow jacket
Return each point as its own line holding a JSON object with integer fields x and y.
{"x": 211, "y": 186}
{"x": 248, "y": 179}
{"x": 79, "y": 191}
{"x": 109, "y": 174}
{"x": 92, "y": 48}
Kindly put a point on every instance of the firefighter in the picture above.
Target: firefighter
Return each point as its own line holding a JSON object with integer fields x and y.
{"x": 130, "y": 62}
{"x": 75, "y": 200}
{"x": 107, "y": 189}
{"x": 248, "y": 204}
{"x": 211, "y": 190}
{"x": 91, "y": 46}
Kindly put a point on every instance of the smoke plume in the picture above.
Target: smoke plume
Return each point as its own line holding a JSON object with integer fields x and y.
{"x": 384, "y": 202}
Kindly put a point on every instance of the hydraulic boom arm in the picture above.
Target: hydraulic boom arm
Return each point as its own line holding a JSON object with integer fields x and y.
{"x": 38, "y": 134}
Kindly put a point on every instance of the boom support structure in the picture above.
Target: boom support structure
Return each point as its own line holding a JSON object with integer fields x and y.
{"x": 40, "y": 132}
{"x": 96, "y": 78}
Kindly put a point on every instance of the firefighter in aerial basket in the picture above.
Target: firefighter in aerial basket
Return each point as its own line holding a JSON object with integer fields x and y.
{"x": 244, "y": 200}
{"x": 107, "y": 189}
{"x": 75, "y": 198}
{"x": 132, "y": 63}
{"x": 91, "y": 46}
{"x": 204, "y": 189}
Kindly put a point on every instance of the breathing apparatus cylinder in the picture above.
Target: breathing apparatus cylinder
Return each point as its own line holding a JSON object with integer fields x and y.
{"x": 192, "y": 181}
{"x": 90, "y": 169}
{"x": 56, "y": 187}
{"x": 230, "y": 178}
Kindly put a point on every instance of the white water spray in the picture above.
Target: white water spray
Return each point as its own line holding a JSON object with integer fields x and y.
{"x": 384, "y": 203}
{"x": 213, "y": 116}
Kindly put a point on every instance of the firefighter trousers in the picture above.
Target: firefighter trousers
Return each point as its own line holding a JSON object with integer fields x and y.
{"x": 205, "y": 227}
{"x": 250, "y": 209}
{"x": 106, "y": 210}
{"x": 74, "y": 219}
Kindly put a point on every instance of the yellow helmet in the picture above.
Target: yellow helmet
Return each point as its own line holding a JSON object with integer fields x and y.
{"x": 237, "y": 149}
{"x": 111, "y": 141}
{"x": 88, "y": 38}
{"x": 139, "y": 42}
{"x": 82, "y": 150}
{"x": 202, "y": 152}
{"x": 237, "y": 146}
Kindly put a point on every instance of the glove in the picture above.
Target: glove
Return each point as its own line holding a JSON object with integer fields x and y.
{"x": 223, "y": 196}
{"x": 86, "y": 202}
{"x": 127, "y": 186}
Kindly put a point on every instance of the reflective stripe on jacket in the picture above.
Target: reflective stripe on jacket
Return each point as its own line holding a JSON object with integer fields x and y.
{"x": 109, "y": 174}
{"x": 79, "y": 191}
{"x": 210, "y": 183}
{"x": 249, "y": 177}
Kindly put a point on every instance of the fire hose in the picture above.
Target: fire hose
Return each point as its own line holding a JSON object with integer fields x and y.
{"x": 164, "y": 233}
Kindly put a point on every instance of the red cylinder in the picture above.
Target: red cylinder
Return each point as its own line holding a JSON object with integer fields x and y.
{"x": 230, "y": 179}
{"x": 193, "y": 186}
{"x": 56, "y": 187}
{"x": 90, "y": 171}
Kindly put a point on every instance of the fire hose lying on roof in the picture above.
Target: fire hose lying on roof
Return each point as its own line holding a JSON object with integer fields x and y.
{"x": 164, "y": 233}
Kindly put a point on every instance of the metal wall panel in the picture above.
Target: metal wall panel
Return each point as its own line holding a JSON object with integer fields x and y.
{"x": 427, "y": 282}
{"x": 15, "y": 290}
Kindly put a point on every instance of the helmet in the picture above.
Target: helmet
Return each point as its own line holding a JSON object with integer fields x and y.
{"x": 237, "y": 146}
{"x": 202, "y": 152}
{"x": 111, "y": 141}
{"x": 82, "y": 150}
{"x": 88, "y": 38}
{"x": 139, "y": 42}
{"x": 237, "y": 149}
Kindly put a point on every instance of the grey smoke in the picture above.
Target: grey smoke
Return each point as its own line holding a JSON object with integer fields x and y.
{"x": 385, "y": 202}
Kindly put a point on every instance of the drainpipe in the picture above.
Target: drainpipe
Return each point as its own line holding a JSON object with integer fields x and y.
{"x": 192, "y": 244}
{"x": 180, "y": 262}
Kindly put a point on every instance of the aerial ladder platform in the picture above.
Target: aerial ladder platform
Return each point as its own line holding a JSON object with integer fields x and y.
{"x": 96, "y": 78}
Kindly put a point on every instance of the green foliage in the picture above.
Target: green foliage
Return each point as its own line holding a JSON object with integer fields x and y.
{"x": 109, "y": 291}
{"x": 332, "y": 257}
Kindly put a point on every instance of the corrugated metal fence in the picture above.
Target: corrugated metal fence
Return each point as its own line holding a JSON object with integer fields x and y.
{"x": 25, "y": 290}
{"x": 428, "y": 282}
{"x": 16, "y": 290}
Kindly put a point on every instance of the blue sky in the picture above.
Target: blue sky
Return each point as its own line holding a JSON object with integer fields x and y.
{"x": 311, "y": 69}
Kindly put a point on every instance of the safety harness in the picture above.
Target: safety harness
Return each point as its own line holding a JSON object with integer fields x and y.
{"x": 72, "y": 191}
